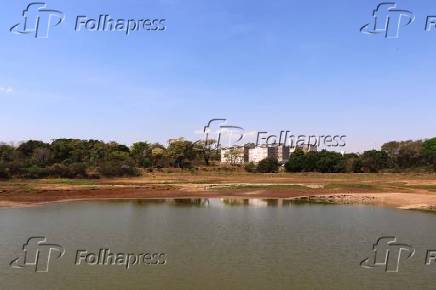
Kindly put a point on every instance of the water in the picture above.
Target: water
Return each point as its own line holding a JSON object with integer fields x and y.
{"x": 215, "y": 244}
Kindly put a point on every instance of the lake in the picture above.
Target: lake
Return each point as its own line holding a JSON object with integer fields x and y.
{"x": 210, "y": 244}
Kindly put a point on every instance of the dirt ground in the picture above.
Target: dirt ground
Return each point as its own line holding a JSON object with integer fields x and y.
{"x": 407, "y": 191}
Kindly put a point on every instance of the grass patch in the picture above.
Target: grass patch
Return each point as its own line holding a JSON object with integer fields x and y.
{"x": 352, "y": 186}
{"x": 65, "y": 181}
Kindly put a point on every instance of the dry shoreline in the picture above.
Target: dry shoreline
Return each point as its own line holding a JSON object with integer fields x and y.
{"x": 404, "y": 191}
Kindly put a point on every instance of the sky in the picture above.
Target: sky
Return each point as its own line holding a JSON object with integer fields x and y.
{"x": 264, "y": 65}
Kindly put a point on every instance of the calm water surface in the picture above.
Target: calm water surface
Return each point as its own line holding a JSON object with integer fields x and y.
{"x": 218, "y": 244}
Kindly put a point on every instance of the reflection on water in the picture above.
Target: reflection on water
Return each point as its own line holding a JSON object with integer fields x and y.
{"x": 222, "y": 202}
{"x": 211, "y": 244}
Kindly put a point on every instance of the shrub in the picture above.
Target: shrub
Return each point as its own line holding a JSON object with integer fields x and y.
{"x": 330, "y": 162}
{"x": 146, "y": 163}
{"x": 296, "y": 162}
{"x": 74, "y": 170}
{"x": 373, "y": 161}
{"x": 59, "y": 170}
{"x": 268, "y": 165}
{"x": 117, "y": 169}
{"x": 77, "y": 170}
{"x": 250, "y": 167}
{"x": 35, "y": 172}
{"x": 4, "y": 172}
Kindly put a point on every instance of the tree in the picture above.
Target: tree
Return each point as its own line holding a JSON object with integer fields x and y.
{"x": 27, "y": 148}
{"x": 181, "y": 153}
{"x": 310, "y": 161}
{"x": 233, "y": 156}
{"x": 404, "y": 154}
{"x": 429, "y": 152}
{"x": 4, "y": 171}
{"x": 296, "y": 161}
{"x": 330, "y": 162}
{"x": 268, "y": 165}
{"x": 158, "y": 153}
{"x": 352, "y": 163}
{"x": 7, "y": 153}
{"x": 206, "y": 150}
{"x": 374, "y": 161}
{"x": 250, "y": 167}
{"x": 68, "y": 150}
{"x": 409, "y": 154}
{"x": 41, "y": 156}
{"x": 97, "y": 151}
{"x": 141, "y": 154}
{"x": 392, "y": 149}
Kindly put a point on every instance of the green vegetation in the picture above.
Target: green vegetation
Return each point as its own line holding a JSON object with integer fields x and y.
{"x": 74, "y": 158}
{"x": 84, "y": 159}
{"x": 268, "y": 165}
{"x": 394, "y": 156}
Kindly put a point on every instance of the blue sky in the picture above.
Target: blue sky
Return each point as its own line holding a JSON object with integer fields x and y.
{"x": 264, "y": 65}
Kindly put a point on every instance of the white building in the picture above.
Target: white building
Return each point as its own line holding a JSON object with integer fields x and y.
{"x": 240, "y": 155}
{"x": 259, "y": 153}
{"x": 283, "y": 153}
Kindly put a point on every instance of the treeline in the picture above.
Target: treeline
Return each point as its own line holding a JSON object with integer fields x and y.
{"x": 393, "y": 157}
{"x": 74, "y": 158}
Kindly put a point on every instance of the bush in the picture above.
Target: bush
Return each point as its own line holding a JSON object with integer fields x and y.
{"x": 117, "y": 169}
{"x": 373, "y": 161}
{"x": 296, "y": 162}
{"x": 35, "y": 172}
{"x": 429, "y": 152}
{"x": 357, "y": 165}
{"x": 322, "y": 161}
{"x": 74, "y": 170}
{"x": 330, "y": 162}
{"x": 4, "y": 172}
{"x": 77, "y": 170}
{"x": 59, "y": 170}
{"x": 146, "y": 163}
{"x": 268, "y": 165}
{"x": 250, "y": 167}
